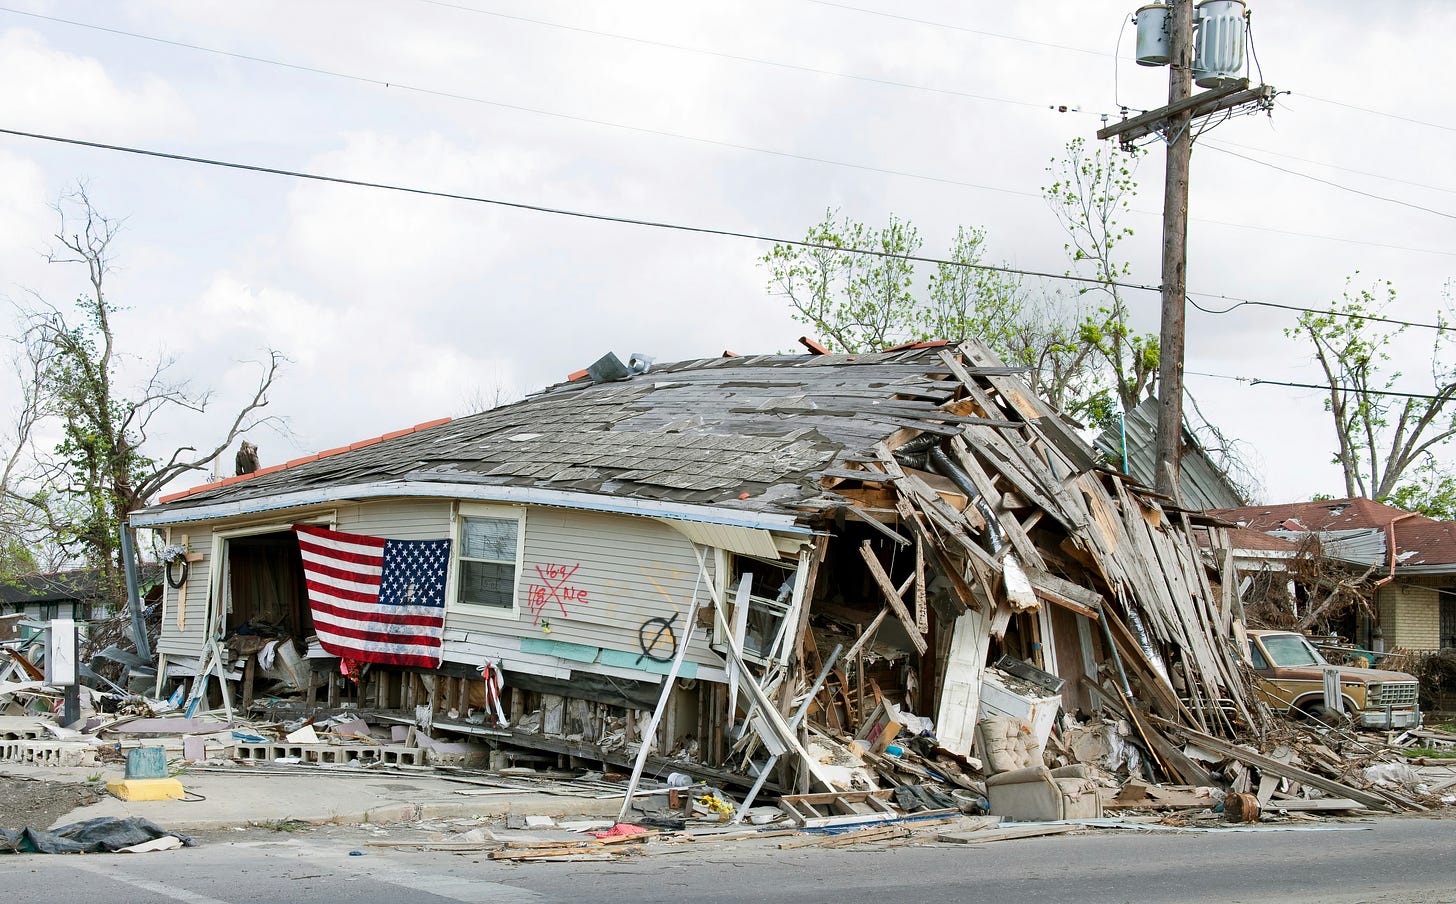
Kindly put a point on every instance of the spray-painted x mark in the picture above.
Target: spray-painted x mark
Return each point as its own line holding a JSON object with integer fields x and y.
{"x": 552, "y": 590}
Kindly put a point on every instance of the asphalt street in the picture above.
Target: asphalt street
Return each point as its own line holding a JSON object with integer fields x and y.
{"x": 1390, "y": 861}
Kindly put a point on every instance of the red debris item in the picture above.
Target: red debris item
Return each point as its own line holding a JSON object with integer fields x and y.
{"x": 813, "y": 347}
{"x": 621, "y": 828}
{"x": 743, "y": 495}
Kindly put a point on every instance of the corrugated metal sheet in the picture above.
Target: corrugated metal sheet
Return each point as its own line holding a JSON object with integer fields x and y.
{"x": 1202, "y": 483}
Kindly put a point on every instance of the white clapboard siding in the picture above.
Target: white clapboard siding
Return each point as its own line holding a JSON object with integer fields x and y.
{"x": 629, "y": 569}
{"x": 189, "y": 642}
{"x": 397, "y": 519}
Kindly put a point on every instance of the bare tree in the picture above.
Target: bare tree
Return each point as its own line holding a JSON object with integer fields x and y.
{"x": 1380, "y": 434}
{"x": 81, "y": 492}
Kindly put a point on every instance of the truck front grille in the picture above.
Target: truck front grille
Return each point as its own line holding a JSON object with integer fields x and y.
{"x": 1393, "y": 693}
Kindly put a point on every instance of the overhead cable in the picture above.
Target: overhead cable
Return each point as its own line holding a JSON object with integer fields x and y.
{"x": 565, "y": 212}
{"x": 1349, "y": 315}
{"x": 680, "y": 227}
{"x": 1332, "y": 184}
{"x": 757, "y": 61}
{"x": 1325, "y": 387}
{"x": 662, "y": 133}
{"x": 519, "y": 108}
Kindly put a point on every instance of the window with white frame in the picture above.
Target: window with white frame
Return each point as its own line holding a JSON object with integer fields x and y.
{"x": 489, "y": 556}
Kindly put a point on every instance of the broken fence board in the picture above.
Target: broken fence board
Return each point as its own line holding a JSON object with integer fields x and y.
{"x": 897, "y": 605}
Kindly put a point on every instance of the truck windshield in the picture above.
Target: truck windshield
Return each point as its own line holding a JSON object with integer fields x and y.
{"x": 1291, "y": 650}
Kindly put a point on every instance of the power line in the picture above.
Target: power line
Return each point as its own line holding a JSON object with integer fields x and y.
{"x": 1373, "y": 112}
{"x": 1374, "y": 318}
{"x": 757, "y": 61}
{"x": 1333, "y": 166}
{"x": 384, "y": 83}
{"x": 951, "y": 27}
{"x": 1332, "y": 184}
{"x": 565, "y": 212}
{"x": 537, "y": 111}
{"x": 992, "y": 34}
{"x": 1315, "y": 235}
{"x": 1259, "y": 381}
{"x": 680, "y": 227}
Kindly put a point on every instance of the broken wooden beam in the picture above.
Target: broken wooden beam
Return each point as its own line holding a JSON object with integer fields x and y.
{"x": 897, "y": 605}
{"x": 1285, "y": 770}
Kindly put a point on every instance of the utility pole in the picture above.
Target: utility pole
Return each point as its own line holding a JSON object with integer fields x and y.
{"x": 1175, "y": 249}
{"x": 1220, "y": 53}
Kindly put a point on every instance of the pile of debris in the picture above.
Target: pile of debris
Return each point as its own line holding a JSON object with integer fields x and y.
{"x": 971, "y": 614}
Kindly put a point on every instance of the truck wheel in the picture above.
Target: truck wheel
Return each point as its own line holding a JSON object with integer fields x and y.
{"x": 1318, "y": 712}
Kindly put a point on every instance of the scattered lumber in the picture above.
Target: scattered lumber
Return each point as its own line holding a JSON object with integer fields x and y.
{"x": 1009, "y": 833}
{"x": 1376, "y": 801}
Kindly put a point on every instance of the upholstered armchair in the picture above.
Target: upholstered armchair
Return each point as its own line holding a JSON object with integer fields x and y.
{"x": 1019, "y": 785}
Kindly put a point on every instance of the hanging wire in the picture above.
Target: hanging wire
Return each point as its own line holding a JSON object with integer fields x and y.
{"x": 1117, "y": 62}
{"x": 1249, "y": 35}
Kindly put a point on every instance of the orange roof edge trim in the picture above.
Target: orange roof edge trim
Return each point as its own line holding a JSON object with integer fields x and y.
{"x": 226, "y": 481}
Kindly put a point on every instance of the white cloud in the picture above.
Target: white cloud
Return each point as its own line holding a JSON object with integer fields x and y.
{"x": 66, "y": 93}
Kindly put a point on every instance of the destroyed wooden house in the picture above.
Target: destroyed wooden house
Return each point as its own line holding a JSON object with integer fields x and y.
{"x": 894, "y": 525}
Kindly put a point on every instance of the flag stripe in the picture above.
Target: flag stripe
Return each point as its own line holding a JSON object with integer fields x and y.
{"x": 376, "y": 600}
{"x": 364, "y": 583}
{"x": 337, "y": 615}
{"x": 384, "y": 639}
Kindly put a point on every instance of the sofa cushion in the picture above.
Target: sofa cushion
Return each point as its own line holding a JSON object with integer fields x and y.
{"x": 1008, "y": 744}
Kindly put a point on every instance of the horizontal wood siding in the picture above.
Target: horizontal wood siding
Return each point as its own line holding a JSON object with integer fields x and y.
{"x": 623, "y": 572}
{"x": 397, "y": 519}
{"x": 189, "y": 642}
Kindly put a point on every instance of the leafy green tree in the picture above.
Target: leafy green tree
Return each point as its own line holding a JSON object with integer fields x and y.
{"x": 80, "y": 493}
{"x": 1380, "y": 437}
{"x": 856, "y": 302}
{"x": 1429, "y": 489}
{"x": 1089, "y": 193}
{"x": 860, "y": 303}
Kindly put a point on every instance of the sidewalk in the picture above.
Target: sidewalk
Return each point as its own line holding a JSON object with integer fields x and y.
{"x": 237, "y": 797}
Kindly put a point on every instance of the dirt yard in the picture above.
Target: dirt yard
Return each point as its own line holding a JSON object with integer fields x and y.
{"x": 35, "y": 803}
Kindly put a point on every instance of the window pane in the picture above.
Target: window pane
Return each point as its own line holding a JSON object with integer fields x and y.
{"x": 487, "y": 584}
{"x": 489, "y": 538}
{"x": 1291, "y": 651}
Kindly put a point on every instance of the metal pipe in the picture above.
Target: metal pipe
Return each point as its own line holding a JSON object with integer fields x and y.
{"x": 945, "y": 466}
{"x": 1112, "y": 649}
{"x": 133, "y": 596}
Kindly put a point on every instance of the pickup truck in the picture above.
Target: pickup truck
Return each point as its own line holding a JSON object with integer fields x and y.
{"x": 1291, "y": 680}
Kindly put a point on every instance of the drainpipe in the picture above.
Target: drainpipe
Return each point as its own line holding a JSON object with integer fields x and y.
{"x": 1390, "y": 553}
{"x": 1390, "y": 547}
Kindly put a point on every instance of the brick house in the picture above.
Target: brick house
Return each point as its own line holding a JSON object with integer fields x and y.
{"x": 1414, "y": 559}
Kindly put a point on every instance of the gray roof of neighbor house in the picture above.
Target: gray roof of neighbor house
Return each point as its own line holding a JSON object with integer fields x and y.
{"x": 1355, "y": 529}
{"x": 754, "y": 434}
{"x": 76, "y": 585}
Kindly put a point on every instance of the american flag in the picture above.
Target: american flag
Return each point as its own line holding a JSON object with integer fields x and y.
{"x": 376, "y": 600}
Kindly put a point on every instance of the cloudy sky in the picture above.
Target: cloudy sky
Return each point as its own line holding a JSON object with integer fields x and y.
{"x": 395, "y": 309}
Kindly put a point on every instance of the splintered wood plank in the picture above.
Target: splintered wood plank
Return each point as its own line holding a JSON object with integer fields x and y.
{"x": 897, "y": 605}
{"x": 964, "y": 597}
{"x": 985, "y": 836}
{"x": 922, "y": 612}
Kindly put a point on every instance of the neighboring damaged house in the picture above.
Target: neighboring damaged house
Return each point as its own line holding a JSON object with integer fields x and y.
{"x": 71, "y": 594}
{"x": 916, "y": 512}
{"x": 1411, "y": 560}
